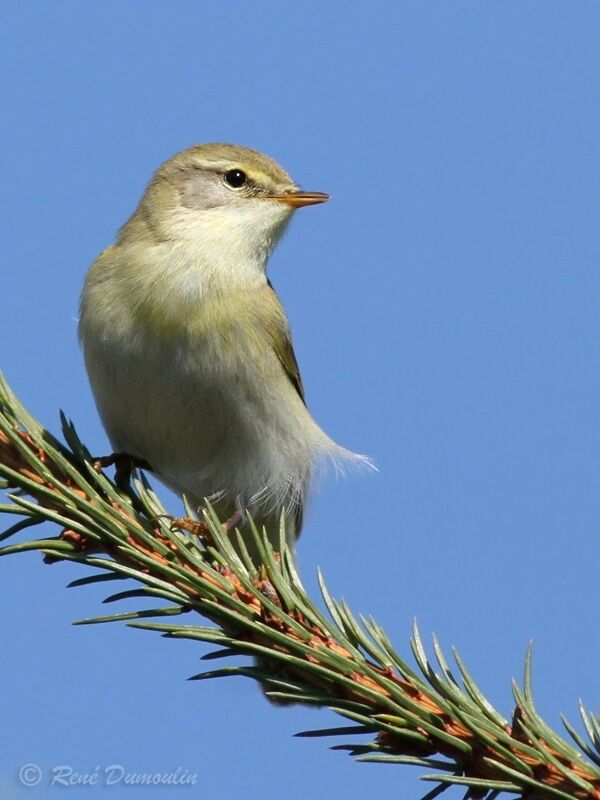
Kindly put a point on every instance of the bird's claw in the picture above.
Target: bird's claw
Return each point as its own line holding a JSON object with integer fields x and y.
{"x": 124, "y": 465}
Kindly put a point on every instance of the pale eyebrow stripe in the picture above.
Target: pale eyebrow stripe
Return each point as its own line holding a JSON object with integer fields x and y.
{"x": 219, "y": 165}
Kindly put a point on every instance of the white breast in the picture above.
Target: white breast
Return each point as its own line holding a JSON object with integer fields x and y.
{"x": 212, "y": 420}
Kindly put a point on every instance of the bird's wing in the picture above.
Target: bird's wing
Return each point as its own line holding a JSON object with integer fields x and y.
{"x": 281, "y": 342}
{"x": 282, "y": 345}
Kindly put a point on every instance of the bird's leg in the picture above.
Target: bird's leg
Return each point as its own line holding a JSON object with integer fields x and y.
{"x": 233, "y": 520}
{"x": 124, "y": 465}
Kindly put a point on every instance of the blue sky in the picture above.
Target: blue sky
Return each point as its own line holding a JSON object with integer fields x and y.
{"x": 444, "y": 307}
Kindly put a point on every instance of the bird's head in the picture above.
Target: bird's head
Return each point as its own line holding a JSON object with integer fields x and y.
{"x": 231, "y": 203}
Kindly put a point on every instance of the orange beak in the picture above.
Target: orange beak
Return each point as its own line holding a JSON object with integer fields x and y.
{"x": 297, "y": 199}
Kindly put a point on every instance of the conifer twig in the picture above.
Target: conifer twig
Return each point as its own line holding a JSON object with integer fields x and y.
{"x": 423, "y": 715}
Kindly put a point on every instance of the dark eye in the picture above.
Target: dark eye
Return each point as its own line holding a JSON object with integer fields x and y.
{"x": 235, "y": 178}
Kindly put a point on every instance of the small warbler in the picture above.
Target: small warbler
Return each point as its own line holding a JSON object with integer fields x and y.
{"x": 188, "y": 348}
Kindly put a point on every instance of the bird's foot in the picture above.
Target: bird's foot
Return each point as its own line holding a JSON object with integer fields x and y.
{"x": 196, "y": 527}
{"x": 199, "y": 528}
{"x": 124, "y": 465}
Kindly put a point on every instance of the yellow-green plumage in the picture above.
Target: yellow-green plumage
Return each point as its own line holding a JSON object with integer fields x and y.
{"x": 188, "y": 347}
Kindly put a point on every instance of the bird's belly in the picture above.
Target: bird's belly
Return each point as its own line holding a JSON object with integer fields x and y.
{"x": 200, "y": 415}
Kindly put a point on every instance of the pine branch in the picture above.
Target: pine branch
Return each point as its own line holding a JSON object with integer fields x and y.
{"x": 425, "y": 716}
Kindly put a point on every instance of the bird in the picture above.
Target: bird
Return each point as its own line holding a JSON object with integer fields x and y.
{"x": 188, "y": 348}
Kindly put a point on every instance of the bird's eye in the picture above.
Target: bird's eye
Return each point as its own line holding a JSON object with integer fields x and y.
{"x": 235, "y": 178}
